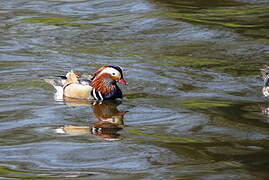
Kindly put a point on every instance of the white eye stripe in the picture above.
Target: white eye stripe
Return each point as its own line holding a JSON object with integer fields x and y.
{"x": 111, "y": 71}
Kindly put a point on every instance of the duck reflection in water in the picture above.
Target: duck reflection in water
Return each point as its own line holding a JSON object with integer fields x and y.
{"x": 109, "y": 120}
{"x": 265, "y": 112}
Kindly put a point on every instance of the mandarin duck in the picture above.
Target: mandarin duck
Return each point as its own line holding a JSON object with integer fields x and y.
{"x": 100, "y": 86}
{"x": 265, "y": 77}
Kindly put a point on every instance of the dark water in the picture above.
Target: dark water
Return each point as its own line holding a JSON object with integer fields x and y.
{"x": 194, "y": 102}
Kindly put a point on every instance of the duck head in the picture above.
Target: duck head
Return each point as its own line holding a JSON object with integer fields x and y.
{"x": 105, "y": 79}
{"x": 265, "y": 76}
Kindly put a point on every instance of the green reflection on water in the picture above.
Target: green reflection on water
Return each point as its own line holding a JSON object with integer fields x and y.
{"x": 165, "y": 138}
{"x": 246, "y": 18}
{"x": 25, "y": 83}
{"x": 9, "y": 173}
{"x": 49, "y": 20}
{"x": 57, "y": 21}
{"x": 193, "y": 62}
{"x": 200, "y": 103}
{"x": 196, "y": 18}
{"x": 65, "y": 21}
{"x": 236, "y": 67}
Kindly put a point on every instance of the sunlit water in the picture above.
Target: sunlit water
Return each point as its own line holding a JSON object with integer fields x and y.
{"x": 194, "y": 102}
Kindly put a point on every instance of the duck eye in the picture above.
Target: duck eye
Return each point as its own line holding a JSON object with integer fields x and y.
{"x": 113, "y": 74}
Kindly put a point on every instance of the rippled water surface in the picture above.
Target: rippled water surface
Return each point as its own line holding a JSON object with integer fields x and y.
{"x": 193, "y": 108}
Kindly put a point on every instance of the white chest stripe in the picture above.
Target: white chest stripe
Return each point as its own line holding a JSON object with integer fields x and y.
{"x": 100, "y": 95}
{"x": 94, "y": 94}
{"x": 97, "y": 95}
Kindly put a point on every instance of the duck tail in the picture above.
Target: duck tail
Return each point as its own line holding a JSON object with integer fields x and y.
{"x": 55, "y": 82}
{"x": 58, "y": 84}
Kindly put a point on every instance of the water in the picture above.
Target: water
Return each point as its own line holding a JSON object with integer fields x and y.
{"x": 194, "y": 102}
